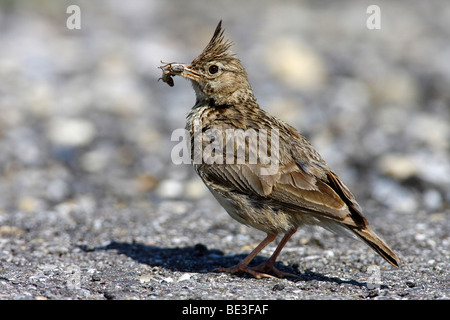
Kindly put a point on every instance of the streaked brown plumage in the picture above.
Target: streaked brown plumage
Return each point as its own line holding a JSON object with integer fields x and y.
{"x": 304, "y": 190}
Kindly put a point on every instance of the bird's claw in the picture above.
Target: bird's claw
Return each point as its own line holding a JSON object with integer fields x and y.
{"x": 260, "y": 271}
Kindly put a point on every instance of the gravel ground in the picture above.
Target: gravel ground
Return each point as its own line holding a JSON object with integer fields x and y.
{"x": 93, "y": 208}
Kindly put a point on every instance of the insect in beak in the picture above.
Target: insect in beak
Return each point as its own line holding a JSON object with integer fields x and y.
{"x": 176, "y": 69}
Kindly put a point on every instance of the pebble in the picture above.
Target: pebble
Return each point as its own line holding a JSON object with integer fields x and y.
{"x": 146, "y": 278}
{"x": 168, "y": 280}
{"x": 10, "y": 231}
{"x": 296, "y": 65}
{"x": 278, "y": 287}
{"x": 397, "y": 87}
{"x": 329, "y": 253}
{"x": 434, "y": 168}
{"x": 30, "y": 204}
{"x": 432, "y": 199}
{"x": 71, "y": 132}
{"x": 185, "y": 277}
{"x": 400, "y": 199}
{"x": 94, "y": 161}
{"x": 170, "y": 189}
{"x": 430, "y": 129}
{"x": 57, "y": 190}
{"x": 195, "y": 189}
{"x": 420, "y": 237}
{"x": 398, "y": 166}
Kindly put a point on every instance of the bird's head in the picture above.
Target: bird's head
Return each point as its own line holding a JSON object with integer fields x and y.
{"x": 216, "y": 74}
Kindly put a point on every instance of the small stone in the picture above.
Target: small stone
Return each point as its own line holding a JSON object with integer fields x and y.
{"x": 433, "y": 130}
{"x": 109, "y": 295}
{"x": 170, "y": 189}
{"x": 184, "y": 277}
{"x": 10, "y": 230}
{"x": 297, "y": 65}
{"x": 398, "y": 166}
{"x": 329, "y": 253}
{"x": 432, "y": 199}
{"x": 29, "y": 204}
{"x": 400, "y": 198}
{"x": 278, "y": 287}
{"x": 146, "y": 182}
{"x": 435, "y": 169}
{"x": 146, "y": 278}
{"x": 420, "y": 237}
{"x": 95, "y": 277}
{"x": 71, "y": 132}
{"x": 195, "y": 189}
{"x": 373, "y": 293}
{"x": 94, "y": 161}
{"x": 57, "y": 190}
{"x": 397, "y": 88}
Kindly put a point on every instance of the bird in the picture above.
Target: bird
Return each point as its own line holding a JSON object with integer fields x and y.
{"x": 297, "y": 188}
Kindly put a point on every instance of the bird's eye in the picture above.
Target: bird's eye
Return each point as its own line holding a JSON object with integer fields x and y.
{"x": 213, "y": 69}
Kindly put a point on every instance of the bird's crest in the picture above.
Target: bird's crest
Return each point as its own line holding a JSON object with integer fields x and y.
{"x": 217, "y": 48}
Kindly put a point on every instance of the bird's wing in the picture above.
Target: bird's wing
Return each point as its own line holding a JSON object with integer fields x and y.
{"x": 292, "y": 188}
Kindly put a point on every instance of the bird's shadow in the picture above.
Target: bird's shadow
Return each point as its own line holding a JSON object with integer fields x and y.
{"x": 200, "y": 259}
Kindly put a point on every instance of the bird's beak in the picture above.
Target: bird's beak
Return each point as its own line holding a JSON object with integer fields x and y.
{"x": 179, "y": 69}
{"x": 189, "y": 73}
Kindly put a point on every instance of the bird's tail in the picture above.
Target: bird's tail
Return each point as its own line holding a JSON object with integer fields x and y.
{"x": 375, "y": 242}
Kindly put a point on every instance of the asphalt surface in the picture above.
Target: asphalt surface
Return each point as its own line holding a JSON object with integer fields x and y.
{"x": 135, "y": 253}
{"x": 93, "y": 208}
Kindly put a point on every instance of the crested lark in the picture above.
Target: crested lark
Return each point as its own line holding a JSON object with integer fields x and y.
{"x": 302, "y": 189}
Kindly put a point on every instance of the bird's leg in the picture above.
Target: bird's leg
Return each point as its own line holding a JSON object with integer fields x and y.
{"x": 268, "y": 266}
{"x": 243, "y": 265}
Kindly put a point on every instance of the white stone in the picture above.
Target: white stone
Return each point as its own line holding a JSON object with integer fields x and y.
{"x": 72, "y": 132}
{"x": 297, "y": 65}
{"x": 184, "y": 277}
{"x": 432, "y": 199}
{"x": 398, "y": 166}
{"x": 170, "y": 189}
{"x": 195, "y": 189}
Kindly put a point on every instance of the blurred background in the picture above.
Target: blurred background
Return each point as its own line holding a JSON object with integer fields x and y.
{"x": 84, "y": 121}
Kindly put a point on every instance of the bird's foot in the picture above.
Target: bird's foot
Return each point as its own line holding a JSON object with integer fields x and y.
{"x": 260, "y": 271}
{"x": 238, "y": 269}
{"x": 266, "y": 267}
